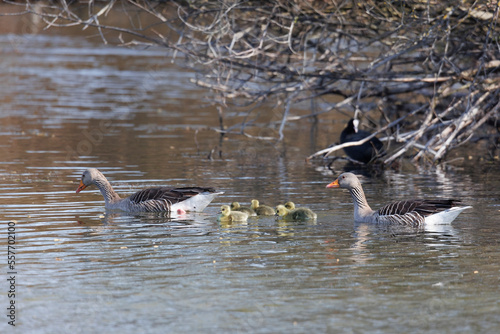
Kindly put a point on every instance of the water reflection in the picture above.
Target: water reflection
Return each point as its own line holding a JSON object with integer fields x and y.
{"x": 443, "y": 243}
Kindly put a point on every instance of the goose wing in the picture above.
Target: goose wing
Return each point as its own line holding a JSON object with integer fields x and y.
{"x": 413, "y": 212}
{"x": 421, "y": 206}
{"x": 171, "y": 195}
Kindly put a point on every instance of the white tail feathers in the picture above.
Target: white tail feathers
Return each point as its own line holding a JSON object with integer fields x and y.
{"x": 196, "y": 203}
{"x": 445, "y": 217}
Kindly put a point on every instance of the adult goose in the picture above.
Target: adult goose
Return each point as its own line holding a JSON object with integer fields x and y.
{"x": 414, "y": 213}
{"x": 158, "y": 199}
{"x": 364, "y": 153}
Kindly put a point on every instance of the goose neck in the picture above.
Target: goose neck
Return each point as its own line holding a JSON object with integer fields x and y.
{"x": 110, "y": 196}
{"x": 361, "y": 207}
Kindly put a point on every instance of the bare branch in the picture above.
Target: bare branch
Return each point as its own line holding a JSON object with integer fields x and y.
{"x": 328, "y": 151}
{"x": 383, "y": 60}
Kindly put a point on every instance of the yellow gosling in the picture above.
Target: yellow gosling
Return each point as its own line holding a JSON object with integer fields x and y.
{"x": 235, "y": 206}
{"x": 295, "y": 214}
{"x": 227, "y": 215}
{"x": 261, "y": 210}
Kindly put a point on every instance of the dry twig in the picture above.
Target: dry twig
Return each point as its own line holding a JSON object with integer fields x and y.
{"x": 392, "y": 54}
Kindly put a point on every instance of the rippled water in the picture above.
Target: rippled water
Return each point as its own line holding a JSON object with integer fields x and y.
{"x": 67, "y": 104}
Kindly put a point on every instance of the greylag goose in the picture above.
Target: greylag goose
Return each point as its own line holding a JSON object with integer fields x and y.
{"x": 235, "y": 206}
{"x": 294, "y": 214}
{"x": 414, "y": 213}
{"x": 159, "y": 199}
{"x": 261, "y": 210}
{"x": 364, "y": 153}
{"x": 228, "y": 216}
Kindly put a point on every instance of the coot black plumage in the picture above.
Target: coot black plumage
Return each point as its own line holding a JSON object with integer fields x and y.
{"x": 362, "y": 153}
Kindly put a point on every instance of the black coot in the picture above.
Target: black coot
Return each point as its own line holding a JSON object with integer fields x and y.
{"x": 362, "y": 153}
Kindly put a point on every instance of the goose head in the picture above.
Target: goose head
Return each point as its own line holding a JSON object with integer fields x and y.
{"x": 89, "y": 177}
{"x": 345, "y": 181}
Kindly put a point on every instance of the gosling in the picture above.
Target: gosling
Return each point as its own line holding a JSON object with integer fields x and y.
{"x": 235, "y": 206}
{"x": 261, "y": 210}
{"x": 229, "y": 216}
{"x": 295, "y": 214}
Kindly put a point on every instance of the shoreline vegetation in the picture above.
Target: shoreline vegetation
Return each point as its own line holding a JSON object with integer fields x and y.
{"x": 424, "y": 75}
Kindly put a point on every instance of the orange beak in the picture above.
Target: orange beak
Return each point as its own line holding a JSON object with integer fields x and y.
{"x": 80, "y": 187}
{"x": 334, "y": 184}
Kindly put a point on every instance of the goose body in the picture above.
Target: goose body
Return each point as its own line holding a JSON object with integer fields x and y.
{"x": 157, "y": 199}
{"x": 295, "y": 214}
{"x": 235, "y": 206}
{"x": 415, "y": 213}
{"x": 229, "y": 216}
{"x": 261, "y": 210}
{"x": 363, "y": 153}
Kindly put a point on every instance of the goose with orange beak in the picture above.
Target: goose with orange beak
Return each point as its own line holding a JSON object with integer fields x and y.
{"x": 414, "y": 213}
{"x": 157, "y": 199}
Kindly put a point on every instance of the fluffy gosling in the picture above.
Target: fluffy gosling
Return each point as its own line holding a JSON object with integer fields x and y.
{"x": 235, "y": 206}
{"x": 227, "y": 215}
{"x": 261, "y": 210}
{"x": 295, "y": 214}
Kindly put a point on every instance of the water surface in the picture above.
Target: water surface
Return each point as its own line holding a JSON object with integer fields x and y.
{"x": 68, "y": 104}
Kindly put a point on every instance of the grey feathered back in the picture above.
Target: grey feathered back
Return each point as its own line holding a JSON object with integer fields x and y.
{"x": 162, "y": 198}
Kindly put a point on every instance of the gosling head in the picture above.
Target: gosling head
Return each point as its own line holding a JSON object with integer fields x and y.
{"x": 281, "y": 210}
{"x": 225, "y": 210}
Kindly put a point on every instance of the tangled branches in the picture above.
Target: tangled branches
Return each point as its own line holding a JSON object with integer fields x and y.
{"x": 426, "y": 71}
